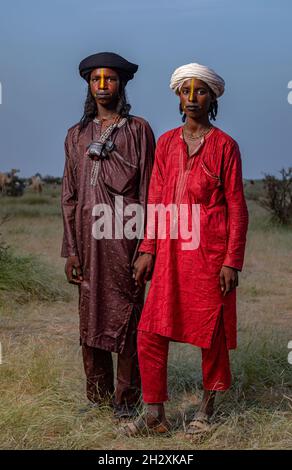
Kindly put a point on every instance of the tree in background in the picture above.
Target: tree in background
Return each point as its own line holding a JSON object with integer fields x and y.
{"x": 278, "y": 196}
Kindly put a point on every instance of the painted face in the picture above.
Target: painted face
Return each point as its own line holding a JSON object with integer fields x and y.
{"x": 101, "y": 82}
{"x": 191, "y": 97}
{"x": 104, "y": 85}
{"x": 195, "y": 98}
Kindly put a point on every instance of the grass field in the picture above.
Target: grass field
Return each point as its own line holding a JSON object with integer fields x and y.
{"x": 41, "y": 375}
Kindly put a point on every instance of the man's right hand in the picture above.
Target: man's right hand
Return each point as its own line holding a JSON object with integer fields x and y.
{"x": 73, "y": 270}
{"x": 143, "y": 268}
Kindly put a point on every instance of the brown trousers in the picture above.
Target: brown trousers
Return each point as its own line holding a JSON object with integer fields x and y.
{"x": 99, "y": 371}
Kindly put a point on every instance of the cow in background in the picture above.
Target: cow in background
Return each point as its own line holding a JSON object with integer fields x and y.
{"x": 37, "y": 183}
{"x": 6, "y": 179}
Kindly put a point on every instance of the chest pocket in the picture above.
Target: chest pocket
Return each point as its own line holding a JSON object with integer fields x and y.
{"x": 204, "y": 184}
{"x": 118, "y": 174}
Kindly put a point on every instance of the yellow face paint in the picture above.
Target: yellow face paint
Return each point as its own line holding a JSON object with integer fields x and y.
{"x": 101, "y": 85}
{"x": 191, "y": 97}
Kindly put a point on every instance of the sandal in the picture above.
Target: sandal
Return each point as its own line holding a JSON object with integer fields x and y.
{"x": 140, "y": 427}
{"x": 200, "y": 424}
{"x": 125, "y": 412}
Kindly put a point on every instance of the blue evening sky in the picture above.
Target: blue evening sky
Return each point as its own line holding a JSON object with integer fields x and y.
{"x": 42, "y": 42}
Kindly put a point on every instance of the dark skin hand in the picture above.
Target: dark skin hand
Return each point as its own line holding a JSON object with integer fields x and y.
{"x": 143, "y": 267}
{"x": 228, "y": 279}
{"x": 73, "y": 270}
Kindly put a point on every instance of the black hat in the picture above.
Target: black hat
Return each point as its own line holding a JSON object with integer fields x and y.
{"x": 114, "y": 61}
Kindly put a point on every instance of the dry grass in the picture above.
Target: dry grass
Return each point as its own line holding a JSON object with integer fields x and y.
{"x": 41, "y": 378}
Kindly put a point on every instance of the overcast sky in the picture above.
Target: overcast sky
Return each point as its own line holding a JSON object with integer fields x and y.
{"x": 42, "y": 42}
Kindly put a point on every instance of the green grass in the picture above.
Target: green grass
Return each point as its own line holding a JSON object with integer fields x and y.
{"x": 260, "y": 365}
{"x": 28, "y": 278}
{"x": 42, "y": 390}
{"x": 42, "y": 384}
{"x": 253, "y": 192}
{"x": 32, "y": 205}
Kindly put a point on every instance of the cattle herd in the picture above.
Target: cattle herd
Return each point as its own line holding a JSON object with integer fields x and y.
{"x": 12, "y": 185}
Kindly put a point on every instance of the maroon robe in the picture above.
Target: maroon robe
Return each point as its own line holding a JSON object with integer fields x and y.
{"x": 107, "y": 295}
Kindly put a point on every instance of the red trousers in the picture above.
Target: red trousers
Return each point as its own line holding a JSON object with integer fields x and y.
{"x": 153, "y": 352}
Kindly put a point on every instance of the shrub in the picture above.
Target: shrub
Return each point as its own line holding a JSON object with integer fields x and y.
{"x": 278, "y": 196}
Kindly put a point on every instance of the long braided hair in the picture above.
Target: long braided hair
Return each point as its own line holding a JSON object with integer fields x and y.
{"x": 90, "y": 107}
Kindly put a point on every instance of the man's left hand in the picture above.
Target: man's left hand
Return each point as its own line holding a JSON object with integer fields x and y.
{"x": 228, "y": 279}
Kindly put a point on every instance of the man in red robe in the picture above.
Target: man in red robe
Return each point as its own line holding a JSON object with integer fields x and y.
{"x": 192, "y": 297}
{"x": 109, "y": 158}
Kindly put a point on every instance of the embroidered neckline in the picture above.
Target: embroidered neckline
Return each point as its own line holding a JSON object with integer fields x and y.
{"x": 201, "y": 142}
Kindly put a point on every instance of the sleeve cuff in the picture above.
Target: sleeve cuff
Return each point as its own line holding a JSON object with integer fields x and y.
{"x": 232, "y": 263}
{"x": 232, "y": 267}
{"x": 147, "y": 248}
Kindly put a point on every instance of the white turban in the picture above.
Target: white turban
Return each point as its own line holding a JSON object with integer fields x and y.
{"x": 201, "y": 72}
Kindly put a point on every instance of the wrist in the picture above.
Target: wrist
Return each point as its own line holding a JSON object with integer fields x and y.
{"x": 142, "y": 253}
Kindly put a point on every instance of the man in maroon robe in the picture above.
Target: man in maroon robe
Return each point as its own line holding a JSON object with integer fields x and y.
{"x": 109, "y": 158}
